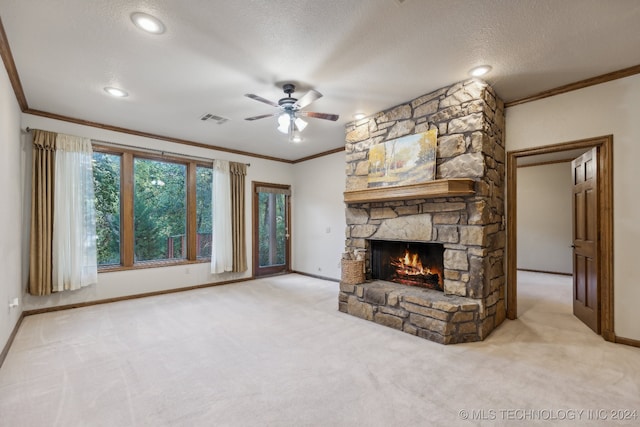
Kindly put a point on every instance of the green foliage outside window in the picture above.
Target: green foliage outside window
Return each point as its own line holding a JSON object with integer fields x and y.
{"x": 272, "y": 229}
{"x": 160, "y": 210}
{"x": 203, "y": 211}
{"x": 159, "y": 205}
{"x": 106, "y": 181}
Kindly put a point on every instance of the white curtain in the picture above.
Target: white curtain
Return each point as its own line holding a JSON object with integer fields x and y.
{"x": 222, "y": 250}
{"x": 74, "y": 225}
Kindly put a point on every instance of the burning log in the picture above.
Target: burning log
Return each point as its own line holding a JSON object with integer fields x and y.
{"x": 409, "y": 271}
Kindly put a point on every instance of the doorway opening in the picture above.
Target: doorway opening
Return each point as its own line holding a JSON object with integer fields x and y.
{"x": 604, "y": 163}
{"x": 271, "y": 225}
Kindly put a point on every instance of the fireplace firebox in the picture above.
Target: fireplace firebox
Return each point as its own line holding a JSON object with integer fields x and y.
{"x": 408, "y": 263}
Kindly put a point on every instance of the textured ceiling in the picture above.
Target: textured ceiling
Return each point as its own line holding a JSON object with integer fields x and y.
{"x": 362, "y": 55}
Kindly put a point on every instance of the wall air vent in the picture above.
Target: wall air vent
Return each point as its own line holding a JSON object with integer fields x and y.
{"x": 212, "y": 117}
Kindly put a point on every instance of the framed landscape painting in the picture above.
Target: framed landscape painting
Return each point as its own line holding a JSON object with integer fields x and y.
{"x": 410, "y": 159}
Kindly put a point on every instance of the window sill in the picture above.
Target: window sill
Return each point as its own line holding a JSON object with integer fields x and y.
{"x": 150, "y": 264}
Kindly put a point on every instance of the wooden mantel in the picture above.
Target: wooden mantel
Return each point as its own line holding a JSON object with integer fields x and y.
{"x": 439, "y": 188}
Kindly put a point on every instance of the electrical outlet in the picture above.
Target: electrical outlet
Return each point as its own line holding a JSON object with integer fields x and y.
{"x": 14, "y": 303}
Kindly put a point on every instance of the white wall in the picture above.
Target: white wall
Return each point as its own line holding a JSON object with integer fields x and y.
{"x": 544, "y": 218}
{"x": 11, "y": 215}
{"x": 131, "y": 282}
{"x": 318, "y": 216}
{"x": 608, "y": 108}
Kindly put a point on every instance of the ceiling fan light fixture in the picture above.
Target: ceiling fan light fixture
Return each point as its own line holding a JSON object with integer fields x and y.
{"x": 295, "y": 138}
{"x": 147, "y": 23}
{"x": 289, "y": 121}
{"x": 300, "y": 124}
{"x": 283, "y": 122}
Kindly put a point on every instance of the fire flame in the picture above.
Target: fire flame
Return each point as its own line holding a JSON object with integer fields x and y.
{"x": 410, "y": 265}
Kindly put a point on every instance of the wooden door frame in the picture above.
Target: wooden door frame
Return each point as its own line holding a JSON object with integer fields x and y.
{"x": 605, "y": 213}
{"x": 254, "y": 229}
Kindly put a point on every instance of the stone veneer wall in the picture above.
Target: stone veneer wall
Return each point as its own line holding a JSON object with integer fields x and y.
{"x": 470, "y": 122}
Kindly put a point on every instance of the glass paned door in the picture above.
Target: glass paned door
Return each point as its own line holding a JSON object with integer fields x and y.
{"x": 271, "y": 229}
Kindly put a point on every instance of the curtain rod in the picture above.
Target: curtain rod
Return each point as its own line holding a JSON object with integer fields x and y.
{"x": 151, "y": 150}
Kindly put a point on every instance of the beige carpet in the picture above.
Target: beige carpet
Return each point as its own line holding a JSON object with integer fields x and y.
{"x": 276, "y": 352}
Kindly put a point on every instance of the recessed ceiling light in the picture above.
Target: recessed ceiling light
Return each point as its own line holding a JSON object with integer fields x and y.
{"x": 480, "y": 70}
{"x": 147, "y": 23}
{"x": 359, "y": 116}
{"x": 114, "y": 91}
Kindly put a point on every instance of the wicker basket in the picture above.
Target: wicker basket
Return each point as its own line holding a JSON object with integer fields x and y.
{"x": 352, "y": 271}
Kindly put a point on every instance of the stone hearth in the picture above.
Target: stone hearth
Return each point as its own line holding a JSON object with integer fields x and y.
{"x": 470, "y": 122}
{"x": 423, "y": 312}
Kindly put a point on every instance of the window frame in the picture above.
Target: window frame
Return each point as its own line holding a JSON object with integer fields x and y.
{"x": 127, "y": 257}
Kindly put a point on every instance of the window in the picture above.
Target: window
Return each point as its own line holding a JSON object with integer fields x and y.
{"x": 160, "y": 210}
{"x": 169, "y": 205}
{"x": 203, "y": 211}
{"x": 272, "y": 226}
{"x": 106, "y": 182}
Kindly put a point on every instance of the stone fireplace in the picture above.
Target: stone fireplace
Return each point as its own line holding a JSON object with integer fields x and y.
{"x": 456, "y": 220}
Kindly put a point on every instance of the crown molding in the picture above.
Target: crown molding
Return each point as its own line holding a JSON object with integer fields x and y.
{"x": 603, "y": 78}
{"x": 151, "y": 135}
{"x": 10, "y": 65}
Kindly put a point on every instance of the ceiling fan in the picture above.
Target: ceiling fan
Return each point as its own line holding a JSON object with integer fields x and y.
{"x": 289, "y": 121}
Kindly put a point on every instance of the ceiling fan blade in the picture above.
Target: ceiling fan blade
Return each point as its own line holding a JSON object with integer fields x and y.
{"x": 307, "y": 99}
{"x": 261, "y": 99}
{"x": 262, "y": 116}
{"x": 325, "y": 116}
